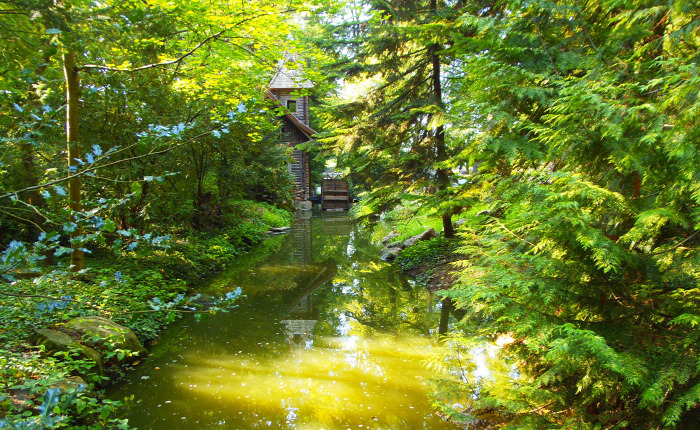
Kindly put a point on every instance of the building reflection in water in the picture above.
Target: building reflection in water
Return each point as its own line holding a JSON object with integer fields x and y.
{"x": 300, "y": 320}
{"x": 298, "y": 328}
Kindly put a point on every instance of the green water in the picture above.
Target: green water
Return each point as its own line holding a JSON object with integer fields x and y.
{"x": 327, "y": 337}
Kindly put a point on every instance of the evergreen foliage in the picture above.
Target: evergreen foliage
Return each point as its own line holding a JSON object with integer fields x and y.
{"x": 392, "y": 130}
{"x": 583, "y": 118}
{"x": 581, "y": 260}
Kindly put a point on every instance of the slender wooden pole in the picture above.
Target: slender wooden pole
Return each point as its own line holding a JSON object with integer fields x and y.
{"x": 70, "y": 73}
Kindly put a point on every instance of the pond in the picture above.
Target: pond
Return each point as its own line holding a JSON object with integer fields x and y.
{"x": 327, "y": 337}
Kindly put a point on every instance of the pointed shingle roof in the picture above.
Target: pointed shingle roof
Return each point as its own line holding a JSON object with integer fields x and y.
{"x": 290, "y": 78}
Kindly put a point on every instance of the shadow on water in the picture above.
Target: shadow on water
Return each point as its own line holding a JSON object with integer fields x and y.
{"x": 327, "y": 336}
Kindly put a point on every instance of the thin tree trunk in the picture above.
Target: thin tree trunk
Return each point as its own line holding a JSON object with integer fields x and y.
{"x": 447, "y": 307}
{"x": 70, "y": 73}
{"x": 443, "y": 175}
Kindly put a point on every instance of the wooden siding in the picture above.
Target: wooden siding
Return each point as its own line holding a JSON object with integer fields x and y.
{"x": 295, "y": 125}
{"x": 302, "y": 111}
{"x": 300, "y": 171}
{"x": 335, "y": 194}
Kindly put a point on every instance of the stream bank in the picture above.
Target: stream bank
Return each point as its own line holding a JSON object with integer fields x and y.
{"x": 125, "y": 286}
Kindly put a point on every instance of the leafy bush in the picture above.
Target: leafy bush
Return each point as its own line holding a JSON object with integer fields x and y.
{"x": 46, "y": 400}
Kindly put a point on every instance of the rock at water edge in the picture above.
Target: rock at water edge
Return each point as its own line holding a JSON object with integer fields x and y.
{"x": 56, "y": 341}
{"x": 396, "y": 245}
{"x": 428, "y": 234}
{"x": 389, "y": 237}
{"x": 102, "y": 333}
{"x": 389, "y": 254}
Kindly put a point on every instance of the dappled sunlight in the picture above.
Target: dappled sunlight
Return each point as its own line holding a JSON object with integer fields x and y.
{"x": 344, "y": 382}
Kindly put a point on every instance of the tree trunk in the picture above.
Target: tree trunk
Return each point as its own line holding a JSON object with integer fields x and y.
{"x": 70, "y": 73}
{"x": 447, "y": 307}
{"x": 443, "y": 175}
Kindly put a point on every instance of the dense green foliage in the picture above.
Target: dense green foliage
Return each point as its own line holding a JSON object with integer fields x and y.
{"x": 390, "y": 124}
{"x": 172, "y": 150}
{"x": 173, "y": 126}
{"x": 581, "y": 244}
{"x": 143, "y": 289}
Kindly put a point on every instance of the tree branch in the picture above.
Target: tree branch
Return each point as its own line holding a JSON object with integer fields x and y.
{"x": 677, "y": 246}
{"x": 62, "y": 299}
{"x": 179, "y": 59}
{"x": 153, "y": 65}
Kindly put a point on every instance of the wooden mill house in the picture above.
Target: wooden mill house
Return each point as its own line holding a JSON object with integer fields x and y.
{"x": 285, "y": 89}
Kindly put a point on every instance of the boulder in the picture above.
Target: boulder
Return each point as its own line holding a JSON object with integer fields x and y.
{"x": 460, "y": 222}
{"x": 389, "y": 237}
{"x": 102, "y": 333}
{"x": 428, "y": 234}
{"x": 56, "y": 341}
{"x": 396, "y": 245}
{"x": 389, "y": 254}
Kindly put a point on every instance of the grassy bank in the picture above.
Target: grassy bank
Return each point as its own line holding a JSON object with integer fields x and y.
{"x": 131, "y": 287}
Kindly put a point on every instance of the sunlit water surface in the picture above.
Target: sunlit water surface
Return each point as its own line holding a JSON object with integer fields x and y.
{"x": 327, "y": 337}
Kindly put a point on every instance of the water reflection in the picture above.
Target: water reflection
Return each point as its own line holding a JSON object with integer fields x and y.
{"x": 297, "y": 328}
{"x": 327, "y": 337}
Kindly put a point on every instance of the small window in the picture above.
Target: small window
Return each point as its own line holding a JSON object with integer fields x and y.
{"x": 292, "y": 105}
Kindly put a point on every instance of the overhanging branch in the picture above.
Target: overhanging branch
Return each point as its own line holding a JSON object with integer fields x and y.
{"x": 154, "y": 65}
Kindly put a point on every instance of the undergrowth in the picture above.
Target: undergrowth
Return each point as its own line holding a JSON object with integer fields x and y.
{"x": 121, "y": 286}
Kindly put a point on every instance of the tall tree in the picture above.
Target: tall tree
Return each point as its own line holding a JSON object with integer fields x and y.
{"x": 392, "y": 130}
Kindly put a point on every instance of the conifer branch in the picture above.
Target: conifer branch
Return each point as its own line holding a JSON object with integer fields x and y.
{"x": 546, "y": 51}
{"x": 513, "y": 233}
{"x": 677, "y": 246}
{"x": 587, "y": 34}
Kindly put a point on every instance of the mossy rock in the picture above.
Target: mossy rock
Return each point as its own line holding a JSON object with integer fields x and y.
{"x": 56, "y": 341}
{"x": 426, "y": 235}
{"x": 389, "y": 254}
{"x": 106, "y": 335}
